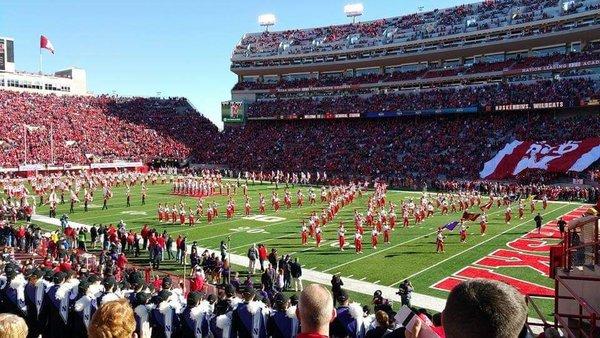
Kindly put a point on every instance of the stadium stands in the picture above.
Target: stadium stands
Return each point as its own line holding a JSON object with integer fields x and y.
{"x": 462, "y": 19}
{"x": 425, "y": 73}
{"x": 570, "y": 91}
{"x": 406, "y": 151}
{"x": 89, "y": 128}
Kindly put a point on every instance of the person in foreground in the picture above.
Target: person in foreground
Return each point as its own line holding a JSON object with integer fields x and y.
{"x": 114, "y": 319}
{"x": 12, "y": 326}
{"x": 315, "y": 311}
{"x": 481, "y": 308}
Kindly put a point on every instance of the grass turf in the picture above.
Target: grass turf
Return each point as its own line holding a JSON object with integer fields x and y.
{"x": 411, "y": 253}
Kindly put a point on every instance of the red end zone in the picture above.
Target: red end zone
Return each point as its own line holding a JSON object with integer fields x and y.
{"x": 529, "y": 251}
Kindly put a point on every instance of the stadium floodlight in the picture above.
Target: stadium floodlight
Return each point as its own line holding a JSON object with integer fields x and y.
{"x": 354, "y": 10}
{"x": 267, "y": 20}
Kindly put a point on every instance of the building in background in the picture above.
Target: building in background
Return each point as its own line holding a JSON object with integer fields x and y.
{"x": 70, "y": 81}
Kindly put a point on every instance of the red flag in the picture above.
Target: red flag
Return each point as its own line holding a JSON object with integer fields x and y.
{"x": 46, "y": 44}
{"x": 467, "y": 216}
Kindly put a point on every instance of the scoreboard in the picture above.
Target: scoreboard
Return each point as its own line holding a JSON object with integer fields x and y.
{"x": 7, "y": 54}
{"x": 233, "y": 111}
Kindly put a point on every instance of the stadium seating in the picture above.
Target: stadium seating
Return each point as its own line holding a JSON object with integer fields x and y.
{"x": 569, "y": 90}
{"x": 90, "y": 128}
{"x": 437, "y": 23}
{"x": 426, "y": 73}
{"x": 406, "y": 151}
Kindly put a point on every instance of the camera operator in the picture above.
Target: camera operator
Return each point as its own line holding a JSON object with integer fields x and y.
{"x": 405, "y": 291}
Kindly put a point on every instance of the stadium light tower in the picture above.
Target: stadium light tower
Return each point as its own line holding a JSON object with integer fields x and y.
{"x": 354, "y": 10}
{"x": 267, "y": 20}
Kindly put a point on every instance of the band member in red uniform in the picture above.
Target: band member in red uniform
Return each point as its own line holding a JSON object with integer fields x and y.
{"x": 374, "y": 237}
{"x": 544, "y": 202}
{"x": 463, "y": 232}
{"x": 483, "y": 223}
{"x": 275, "y": 202}
{"x": 229, "y": 211}
{"x": 160, "y": 212}
{"x": 521, "y": 210}
{"x": 261, "y": 204}
{"x": 405, "y": 215}
{"x": 247, "y": 207}
{"x": 507, "y": 215}
{"x": 304, "y": 233}
{"x": 209, "y": 215}
{"x": 182, "y": 216}
{"x": 173, "y": 214}
{"x": 191, "y": 218}
{"x": 287, "y": 200}
{"x": 532, "y": 205}
{"x": 341, "y": 236}
{"x": 300, "y": 197}
{"x": 318, "y": 236}
{"x": 439, "y": 241}
{"x": 358, "y": 242}
{"x": 386, "y": 234}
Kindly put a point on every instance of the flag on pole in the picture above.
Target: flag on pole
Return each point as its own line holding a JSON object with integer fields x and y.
{"x": 469, "y": 216}
{"x": 450, "y": 226}
{"x": 46, "y": 44}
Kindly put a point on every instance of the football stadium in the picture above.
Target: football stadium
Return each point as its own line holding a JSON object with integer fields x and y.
{"x": 427, "y": 173}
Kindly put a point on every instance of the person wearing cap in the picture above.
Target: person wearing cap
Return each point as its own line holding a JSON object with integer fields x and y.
{"x": 282, "y": 322}
{"x": 83, "y": 310}
{"x": 220, "y": 321}
{"x": 195, "y": 317}
{"x": 348, "y": 321}
{"x": 110, "y": 288}
{"x": 164, "y": 320}
{"x": 141, "y": 313}
{"x": 31, "y": 297}
{"x": 55, "y": 310}
{"x": 249, "y": 318}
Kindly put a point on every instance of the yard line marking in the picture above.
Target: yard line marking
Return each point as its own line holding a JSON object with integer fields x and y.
{"x": 363, "y": 278}
{"x": 349, "y": 276}
{"x": 389, "y": 248}
{"x": 377, "y": 281}
{"x": 313, "y": 268}
{"x": 303, "y": 265}
{"x": 291, "y": 253}
{"x": 472, "y": 247}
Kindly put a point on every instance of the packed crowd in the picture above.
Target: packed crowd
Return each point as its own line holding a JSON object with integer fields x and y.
{"x": 406, "y": 151}
{"x": 552, "y": 192}
{"x": 436, "y": 23}
{"x": 425, "y": 73}
{"x": 569, "y": 91}
{"x": 82, "y": 129}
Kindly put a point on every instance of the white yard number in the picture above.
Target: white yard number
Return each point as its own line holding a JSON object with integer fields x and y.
{"x": 134, "y": 213}
{"x": 249, "y": 230}
{"x": 336, "y": 244}
{"x": 264, "y": 218}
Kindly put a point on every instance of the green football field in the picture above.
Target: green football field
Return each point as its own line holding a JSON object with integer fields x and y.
{"x": 411, "y": 253}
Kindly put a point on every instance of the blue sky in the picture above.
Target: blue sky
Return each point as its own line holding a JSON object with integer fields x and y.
{"x": 177, "y": 47}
